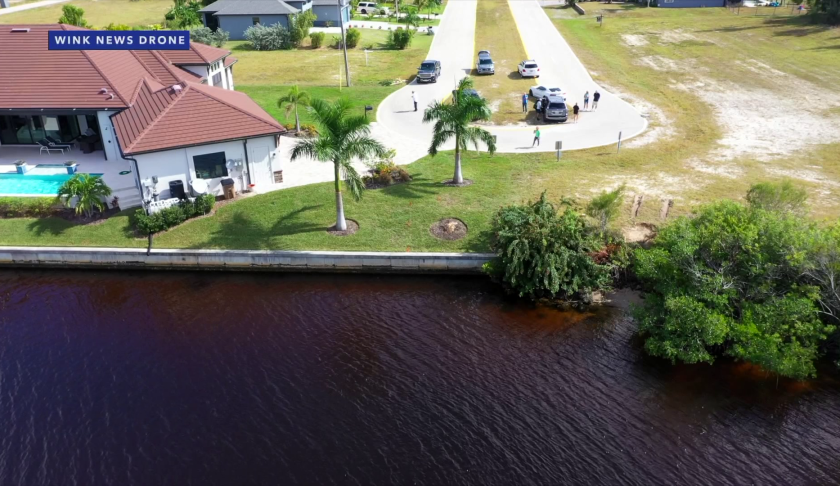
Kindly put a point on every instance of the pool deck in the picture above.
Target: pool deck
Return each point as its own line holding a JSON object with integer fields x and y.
{"x": 93, "y": 163}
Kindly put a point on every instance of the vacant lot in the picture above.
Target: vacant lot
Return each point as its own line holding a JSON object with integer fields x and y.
{"x": 732, "y": 100}
{"x": 98, "y": 13}
{"x": 267, "y": 75}
{"x": 495, "y": 30}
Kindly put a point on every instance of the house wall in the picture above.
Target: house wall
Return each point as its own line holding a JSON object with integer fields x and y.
{"x": 690, "y": 3}
{"x": 218, "y": 67}
{"x": 237, "y": 24}
{"x": 109, "y": 143}
{"x": 229, "y": 74}
{"x": 301, "y": 5}
{"x": 200, "y": 70}
{"x": 177, "y": 164}
{"x": 329, "y": 13}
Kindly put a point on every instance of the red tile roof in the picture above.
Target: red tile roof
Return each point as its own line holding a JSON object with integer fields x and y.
{"x": 155, "y": 115}
{"x": 35, "y": 77}
{"x": 230, "y": 61}
{"x": 165, "y": 119}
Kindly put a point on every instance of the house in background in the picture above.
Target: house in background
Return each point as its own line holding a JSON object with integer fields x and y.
{"x": 235, "y": 16}
{"x": 164, "y": 116}
{"x": 327, "y": 11}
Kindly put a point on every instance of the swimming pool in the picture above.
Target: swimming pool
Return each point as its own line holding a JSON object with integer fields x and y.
{"x": 46, "y": 185}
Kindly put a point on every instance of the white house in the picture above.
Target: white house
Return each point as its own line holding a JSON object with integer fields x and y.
{"x": 163, "y": 115}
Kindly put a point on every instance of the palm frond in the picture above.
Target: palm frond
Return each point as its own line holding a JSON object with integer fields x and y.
{"x": 352, "y": 180}
{"x": 475, "y": 135}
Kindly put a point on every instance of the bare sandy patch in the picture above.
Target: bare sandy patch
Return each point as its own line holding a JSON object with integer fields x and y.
{"x": 494, "y": 105}
{"x": 804, "y": 175}
{"x": 634, "y": 40}
{"x": 717, "y": 168}
{"x": 660, "y": 63}
{"x": 660, "y": 127}
{"x": 676, "y": 36}
{"x": 659, "y": 185}
{"x": 762, "y": 69}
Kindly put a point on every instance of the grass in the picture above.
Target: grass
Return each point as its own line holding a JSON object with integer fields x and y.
{"x": 359, "y": 96}
{"x": 97, "y": 13}
{"x": 496, "y": 31}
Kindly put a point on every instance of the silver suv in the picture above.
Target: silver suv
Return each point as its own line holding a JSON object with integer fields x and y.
{"x": 485, "y": 65}
{"x": 556, "y": 109}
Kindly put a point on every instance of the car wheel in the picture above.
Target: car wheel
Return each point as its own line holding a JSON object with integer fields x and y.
{"x": 434, "y": 80}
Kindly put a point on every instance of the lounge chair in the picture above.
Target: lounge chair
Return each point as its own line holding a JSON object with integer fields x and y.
{"x": 45, "y": 145}
{"x": 58, "y": 143}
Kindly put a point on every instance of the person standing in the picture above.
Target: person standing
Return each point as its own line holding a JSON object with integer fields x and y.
{"x": 595, "y": 98}
{"x": 414, "y": 99}
{"x": 575, "y": 111}
{"x": 538, "y": 107}
{"x": 525, "y": 103}
{"x": 536, "y": 137}
{"x": 586, "y": 101}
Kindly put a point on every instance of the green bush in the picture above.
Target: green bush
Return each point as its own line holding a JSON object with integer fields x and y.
{"x": 113, "y": 26}
{"x": 316, "y": 39}
{"x": 172, "y": 216}
{"x": 782, "y": 196}
{"x": 184, "y": 14}
{"x": 206, "y": 36}
{"x": 27, "y": 207}
{"x": 299, "y": 26}
{"x": 545, "y": 253}
{"x": 73, "y": 15}
{"x": 273, "y": 38}
{"x": 399, "y": 38}
{"x": 604, "y": 207}
{"x": 354, "y": 35}
{"x": 733, "y": 280}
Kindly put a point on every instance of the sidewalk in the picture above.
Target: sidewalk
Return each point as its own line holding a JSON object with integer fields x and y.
{"x": 28, "y": 6}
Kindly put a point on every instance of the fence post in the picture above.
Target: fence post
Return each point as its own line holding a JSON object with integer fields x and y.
{"x": 619, "y": 142}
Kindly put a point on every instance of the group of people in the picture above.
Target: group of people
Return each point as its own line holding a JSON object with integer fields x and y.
{"x": 541, "y": 105}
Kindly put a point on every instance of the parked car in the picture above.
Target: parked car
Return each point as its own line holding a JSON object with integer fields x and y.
{"x": 429, "y": 71}
{"x": 485, "y": 65}
{"x": 529, "y": 69}
{"x": 366, "y": 8}
{"x": 540, "y": 91}
{"x": 556, "y": 109}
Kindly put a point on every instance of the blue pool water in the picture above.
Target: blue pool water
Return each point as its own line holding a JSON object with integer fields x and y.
{"x": 47, "y": 185}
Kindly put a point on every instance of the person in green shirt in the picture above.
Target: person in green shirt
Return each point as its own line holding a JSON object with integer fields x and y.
{"x": 536, "y": 137}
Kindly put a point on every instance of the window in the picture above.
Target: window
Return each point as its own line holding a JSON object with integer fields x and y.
{"x": 217, "y": 79}
{"x": 255, "y": 20}
{"x": 210, "y": 166}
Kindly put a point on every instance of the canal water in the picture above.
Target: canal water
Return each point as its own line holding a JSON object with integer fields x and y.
{"x": 163, "y": 378}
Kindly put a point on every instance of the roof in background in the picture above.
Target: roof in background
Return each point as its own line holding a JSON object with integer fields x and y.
{"x": 35, "y": 77}
{"x": 250, "y": 7}
{"x": 162, "y": 118}
{"x": 321, "y": 3}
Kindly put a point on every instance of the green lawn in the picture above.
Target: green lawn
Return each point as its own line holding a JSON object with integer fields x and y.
{"x": 98, "y": 13}
{"x": 359, "y": 96}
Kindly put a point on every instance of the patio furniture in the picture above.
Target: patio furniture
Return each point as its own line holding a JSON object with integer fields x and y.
{"x": 46, "y": 146}
{"x": 59, "y": 143}
{"x": 88, "y": 143}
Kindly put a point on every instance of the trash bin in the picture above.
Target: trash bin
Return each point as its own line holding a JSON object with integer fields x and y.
{"x": 176, "y": 189}
{"x": 228, "y": 188}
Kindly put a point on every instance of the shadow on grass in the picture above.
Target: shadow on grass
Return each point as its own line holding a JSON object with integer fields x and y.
{"x": 49, "y": 226}
{"x": 418, "y": 188}
{"x": 243, "y": 232}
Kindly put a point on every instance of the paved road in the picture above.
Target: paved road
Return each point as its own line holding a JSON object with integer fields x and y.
{"x": 454, "y": 46}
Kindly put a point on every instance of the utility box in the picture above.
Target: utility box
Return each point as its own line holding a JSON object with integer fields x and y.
{"x": 228, "y": 188}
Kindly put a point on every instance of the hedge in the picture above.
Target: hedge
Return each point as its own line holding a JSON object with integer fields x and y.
{"x": 174, "y": 215}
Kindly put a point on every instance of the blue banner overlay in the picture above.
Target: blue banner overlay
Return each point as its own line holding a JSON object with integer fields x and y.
{"x": 114, "y": 40}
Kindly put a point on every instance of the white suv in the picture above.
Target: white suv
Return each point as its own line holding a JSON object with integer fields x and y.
{"x": 529, "y": 69}
{"x": 367, "y": 8}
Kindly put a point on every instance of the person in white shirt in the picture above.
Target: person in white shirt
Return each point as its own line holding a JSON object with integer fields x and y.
{"x": 414, "y": 99}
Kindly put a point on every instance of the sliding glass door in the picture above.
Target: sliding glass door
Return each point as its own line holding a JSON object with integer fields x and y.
{"x": 28, "y": 130}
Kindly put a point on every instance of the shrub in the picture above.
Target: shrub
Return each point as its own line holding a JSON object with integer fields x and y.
{"x": 309, "y": 128}
{"x": 399, "y": 38}
{"x": 299, "y": 26}
{"x": 730, "y": 281}
{"x": 353, "y": 37}
{"x": 385, "y": 172}
{"x": 206, "y": 36}
{"x": 782, "y": 197}
{"x": 73, "y": 15}
{"x": 316, "y": 39}
{"x": 113, "y": 26}
{"x": 546, "y": 253}
{"x": 604, "y": 207}
{"x": 174, "y": 215}
{"x": 184, "y": 14}
{"x": 26, "y": 207}
{"x": 268, "y": 38}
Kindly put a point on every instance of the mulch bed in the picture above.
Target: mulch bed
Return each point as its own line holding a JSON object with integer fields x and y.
{"x": 352, "y": 227}
{"x": 80, "y": 219}
{"x": 374, "y": 185}
{"x": 450, "y": 229}
{"x": 448, "y": 182}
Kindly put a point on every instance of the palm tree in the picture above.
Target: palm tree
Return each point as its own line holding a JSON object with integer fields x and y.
{"x": 88, "y": 190}
{"x": 292, "y": 100}
{"x": 453, "y": 120}
{"x": 341, "y": 138}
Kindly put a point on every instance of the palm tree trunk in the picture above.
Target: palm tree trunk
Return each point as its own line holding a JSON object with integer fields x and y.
{"x": 458, "y": 178}
{"x": 297, "y": 120}
{"x": 340, "y": 223}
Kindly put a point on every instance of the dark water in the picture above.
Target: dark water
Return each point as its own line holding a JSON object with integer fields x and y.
{"x": 156, "y": 378}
